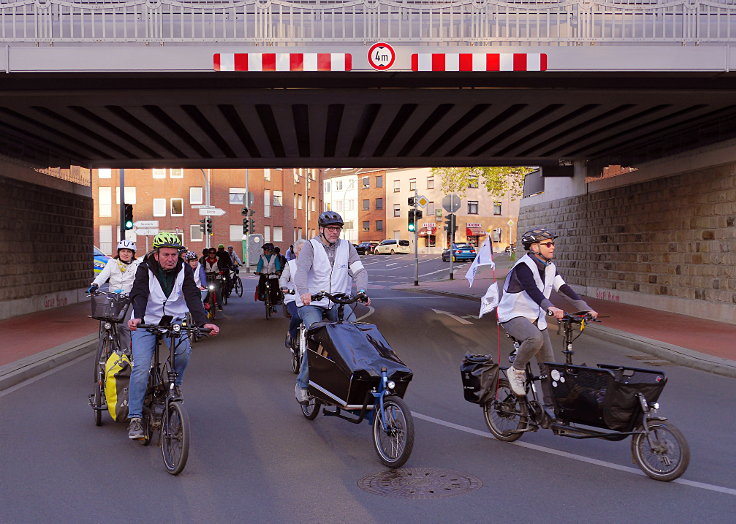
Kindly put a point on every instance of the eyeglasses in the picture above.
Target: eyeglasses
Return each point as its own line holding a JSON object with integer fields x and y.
{"x": 212, "y": 252}
{"x": 547, "y": 244}
{"x": 334, "y": 229}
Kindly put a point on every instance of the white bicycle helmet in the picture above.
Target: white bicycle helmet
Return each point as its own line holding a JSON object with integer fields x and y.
{"x": 126, "y": 244}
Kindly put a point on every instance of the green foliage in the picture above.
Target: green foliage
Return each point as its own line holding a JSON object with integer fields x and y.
{"x": 498, "y": 181}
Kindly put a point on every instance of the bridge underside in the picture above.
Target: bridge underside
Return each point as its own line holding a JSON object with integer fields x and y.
{"x": 237, "y": 120}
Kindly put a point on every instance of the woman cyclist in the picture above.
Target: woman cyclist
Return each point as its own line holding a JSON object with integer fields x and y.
{"x": 120, "y": 271}
{"x": 286, "y": 282}
{"x": 200, "y": 276}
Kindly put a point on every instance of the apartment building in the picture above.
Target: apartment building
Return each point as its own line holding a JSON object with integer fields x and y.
{"x": 286, "y": 204}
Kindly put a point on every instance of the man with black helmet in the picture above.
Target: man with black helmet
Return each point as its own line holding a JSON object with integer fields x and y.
{"x": 525, "y": 305}
{"x": 325, "y": 263}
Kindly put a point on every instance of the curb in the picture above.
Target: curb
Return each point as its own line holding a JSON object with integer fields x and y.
{"x": 34, "y": 365}
{"x": 675, "y": 354}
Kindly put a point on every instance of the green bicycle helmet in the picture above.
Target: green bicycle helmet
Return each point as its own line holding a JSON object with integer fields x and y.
{"x": 166, "y": 240}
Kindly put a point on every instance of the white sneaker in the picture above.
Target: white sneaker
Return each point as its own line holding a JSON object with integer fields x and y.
{"x": 301, "y": 395}
{"x": 516, "y": 380}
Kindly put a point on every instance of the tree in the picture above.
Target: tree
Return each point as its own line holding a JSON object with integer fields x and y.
{"x": 498, "y": 181}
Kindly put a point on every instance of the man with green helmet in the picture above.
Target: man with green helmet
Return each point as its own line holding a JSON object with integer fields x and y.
{"x": 164, "y": 285}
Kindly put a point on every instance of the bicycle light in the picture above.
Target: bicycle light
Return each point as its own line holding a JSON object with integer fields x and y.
{"x": 176, "y": 328}
{"x": 107, "y": 325}
{"x": 391, "y": 384}
{"x": 212, "y": 287}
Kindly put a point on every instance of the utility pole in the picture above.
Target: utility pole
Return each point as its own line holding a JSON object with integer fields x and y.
{"x": 416, "y": 237}
{"x": 122, "y": 205}
{"x": 246, "y": 204}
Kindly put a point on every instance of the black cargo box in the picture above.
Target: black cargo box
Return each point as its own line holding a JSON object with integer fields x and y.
{"x": 345, "y": 362}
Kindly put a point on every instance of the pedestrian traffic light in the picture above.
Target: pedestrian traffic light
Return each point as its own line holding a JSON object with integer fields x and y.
{"x": 246, "y": 224}
{"x": 203, "y": 225}
{"x": 128, "y": 220}
{"x": 209, "y": 226}
{"x": 450, "y": 221}
{"x": 412, "y": 224}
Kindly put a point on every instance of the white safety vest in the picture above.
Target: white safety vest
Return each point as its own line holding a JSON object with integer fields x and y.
{"x": 269, "y": 266}
{"x": 290, "y": 283}
{"x": 120, "y": 274}
{"x": 520, "y": 304}
{"x": 197, "y": 279}
{"x": 323, "y": 277}
{"x": 159, "y": 305}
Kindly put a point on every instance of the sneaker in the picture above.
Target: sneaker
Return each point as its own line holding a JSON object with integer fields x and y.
{"x": 135, "y": 430}
{"x": 516, "y": 380}
{"x": 301, "y": 395}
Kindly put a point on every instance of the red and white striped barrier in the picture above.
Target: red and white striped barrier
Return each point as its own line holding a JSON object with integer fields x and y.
{"x": 283, "y": 61}
{"x": 479, "y": 62}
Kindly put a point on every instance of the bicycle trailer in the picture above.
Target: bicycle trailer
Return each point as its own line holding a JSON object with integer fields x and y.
{"x": 345, "y": 361}
{"x": 605, "y": 396}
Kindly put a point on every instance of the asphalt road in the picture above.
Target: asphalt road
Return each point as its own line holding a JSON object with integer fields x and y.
{"x": 255, "y": 458}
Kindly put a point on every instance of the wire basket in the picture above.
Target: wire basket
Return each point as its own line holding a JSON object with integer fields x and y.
{"x": 111, "y": 307}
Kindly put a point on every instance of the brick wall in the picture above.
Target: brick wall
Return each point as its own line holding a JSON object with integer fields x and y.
{"x": 668, "y": 243}
{"x": 45, "y": 245}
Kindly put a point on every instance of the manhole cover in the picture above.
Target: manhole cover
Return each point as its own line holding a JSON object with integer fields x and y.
{"x": 419, "y": 483}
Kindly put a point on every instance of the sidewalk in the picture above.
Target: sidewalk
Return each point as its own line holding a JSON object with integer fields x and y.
{"x": 681, "y": 339}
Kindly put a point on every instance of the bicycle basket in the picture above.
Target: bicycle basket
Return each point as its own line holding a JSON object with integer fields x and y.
{"x": 111, "y": 307}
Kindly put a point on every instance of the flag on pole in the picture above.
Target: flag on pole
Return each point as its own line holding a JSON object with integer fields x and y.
{"x": 484, "y": 258}
{"x": 490, "y": 300}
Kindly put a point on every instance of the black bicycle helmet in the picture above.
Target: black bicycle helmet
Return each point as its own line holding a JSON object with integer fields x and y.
{"x": 330, "y": 218}
{"x": 267, "y": 245}
{"x": 536, "y": 235}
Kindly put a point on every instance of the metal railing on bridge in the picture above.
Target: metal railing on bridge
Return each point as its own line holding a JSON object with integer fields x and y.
{"x": 420, "y": 22}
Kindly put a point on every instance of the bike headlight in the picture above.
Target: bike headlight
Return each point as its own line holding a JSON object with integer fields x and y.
{"x": 655, "y": 405}
{"x": 391, "y": 384}
{"x": 107, "y": 325}
{"x": 176, "y": 328}
{"x": 212, "y": 287}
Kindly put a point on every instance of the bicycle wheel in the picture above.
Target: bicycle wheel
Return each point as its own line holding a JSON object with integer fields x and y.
{"x": 103, "y": 352}
{"x": 505, "y": 415}
{"x": 662, "y": 453}
{"x": 267, "y": 303}
{"x": 393, "y": 444}
{"x": 238, "y": 287}
{"x": 212, "y": 311}
{"x": 311, "y": 410}
{"x": 99, "y": 400}
{"x": 175, "y": 438}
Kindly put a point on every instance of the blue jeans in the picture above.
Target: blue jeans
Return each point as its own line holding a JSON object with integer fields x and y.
{"x": 310, "y": 315}
{"x": 295, "y": 319}
{"x": 143, "y": 346}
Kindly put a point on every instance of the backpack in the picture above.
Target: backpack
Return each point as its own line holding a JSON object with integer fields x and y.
{"x": 117, "y": 380}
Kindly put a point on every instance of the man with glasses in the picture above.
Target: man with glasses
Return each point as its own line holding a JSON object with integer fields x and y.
{"x": 525, "y": 304}
{"x": 325, "y": 263}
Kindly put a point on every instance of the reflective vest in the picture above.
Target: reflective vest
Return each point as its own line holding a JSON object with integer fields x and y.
{"x": 290, "y": 283}
{"x": 159, "y": 304}
{"x": 325, "y": 277}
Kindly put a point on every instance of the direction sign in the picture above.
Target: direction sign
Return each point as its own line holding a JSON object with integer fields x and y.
{"x": 214, "y": 211}
{"x": 147, "y": 232}
{"x": 146, "y": 224}
{"x": 422, "y": 201}
{"x": 451, "y": 203}
{"x": 200, "y": 206}
{"x": 381, "y": 56}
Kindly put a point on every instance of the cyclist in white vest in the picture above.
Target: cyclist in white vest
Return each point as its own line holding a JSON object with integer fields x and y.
{"x": 326, "y": 263}
{"x": 286, "y": 282}
{"x": 525, "y": 305}
{"x": 268, "y": 267}
{"x": 164, "y": 285}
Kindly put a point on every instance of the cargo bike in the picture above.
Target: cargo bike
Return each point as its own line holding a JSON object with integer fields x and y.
{"x": 609, "y": 402}
{"x": 355, "y": 375}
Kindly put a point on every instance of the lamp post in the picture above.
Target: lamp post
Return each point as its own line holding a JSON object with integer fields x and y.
{"x": 206, "y": 200}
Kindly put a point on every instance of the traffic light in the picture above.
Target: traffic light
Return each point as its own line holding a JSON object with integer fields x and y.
{"x": 203, "y": 225}
{"x": 209, "y": 226}
{"x": 244, "y": 211}
{"x": 450, "y": 221}
{"x": 412, "y": 224}
{"x": 411, "y": 201}
{"x": 252, "y": 226}
{"x": 128, "y": 221}
{"x": 417, "y": 215}
{"x": 246, "y": 224}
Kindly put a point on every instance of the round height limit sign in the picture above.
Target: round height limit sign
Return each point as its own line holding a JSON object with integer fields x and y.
{"x": 381, "y": 56}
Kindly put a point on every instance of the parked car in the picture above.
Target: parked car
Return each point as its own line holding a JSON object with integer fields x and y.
{"x": 366, "y": 248}
{"x": 459, "y": 252}
{"x": 392, "y": 246}
{"x": 99, "y": 260}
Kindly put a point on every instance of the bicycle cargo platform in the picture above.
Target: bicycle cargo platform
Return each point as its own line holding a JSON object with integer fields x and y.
{"x": 345, "y": 361}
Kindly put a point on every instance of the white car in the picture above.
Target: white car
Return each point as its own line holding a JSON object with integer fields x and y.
{"x": 392, "y": 246}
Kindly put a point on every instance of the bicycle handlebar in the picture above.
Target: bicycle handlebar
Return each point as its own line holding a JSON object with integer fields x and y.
{"x": 175, "y": 328}
{"x": 338, "y": 298}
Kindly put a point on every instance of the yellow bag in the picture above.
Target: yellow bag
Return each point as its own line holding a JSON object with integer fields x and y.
{"x": 117, "y": 381}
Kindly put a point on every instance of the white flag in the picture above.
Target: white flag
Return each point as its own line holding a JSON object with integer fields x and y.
{"x": 489, "y": 300}
{"x": 484, "y": 258}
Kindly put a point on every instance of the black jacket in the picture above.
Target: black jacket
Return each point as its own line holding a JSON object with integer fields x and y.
{"x": 139, "y": 293}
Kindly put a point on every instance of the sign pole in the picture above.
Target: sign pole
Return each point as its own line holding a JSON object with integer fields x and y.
{"x": 246, "y": 204}
{"x": 122, "y": 205}
{"x": 416, "y": 237}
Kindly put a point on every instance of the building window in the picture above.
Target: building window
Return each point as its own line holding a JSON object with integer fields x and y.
{"x": 379, "y": 203}
{"x": 159, "y": 173}
{"x": 473, "y": 182}
{"x": 294, "y": 205}
{"x": 366, "y": 204}
{"x": 159, "y": 207}
{"x": 278, "y": 198}
{"x": 300, "y": 201}
{"x": 472, "y": 207}
{"x": 267, "y": 233}
{"x": 105, "y": 172}
{"x": 430, "y": 182}
{"x": 497, "y": 208}
{"x": 379, "y": 225}
{"x": 195, "y": 234}
{"x": 327, "y": 187}
{"x": 397, "y": 186}
{"x": 338, "y": 185}
{"x": 412, "y": 184}
{"x": 176, "y": 173}
{"x": 266, "y": 175}
{"x": 278, "y": 234}
{"x": 266, "y": 203}
{"x": 366, "y": 182}
{"x": 397, "y": 210}
{"x": 366, "y": 225}
{"x": 237, "y": 195}
{"x": 105, "y": 202}
{"x": 130, "y": 195}
{"x": 177, "y": 207}
{"x": 338, "y": 206}
{"x": 236, "y": 233}
{"x": 349, "y": 205}
{"x": 496, "y": 235}
{"x": 106, "y": 239}
{"x": 196, "y": 195}
{"x": 351, "y": 183}
{"x": 379, "y": 180}
{"x": 430, "y": 209}
{"x": 313, "y": 207}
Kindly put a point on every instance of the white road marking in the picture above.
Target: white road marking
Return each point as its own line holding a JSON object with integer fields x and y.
{"x": 572, "y": 456}
{"x": 371, "y": 309}
{"x": 461, "y": 320}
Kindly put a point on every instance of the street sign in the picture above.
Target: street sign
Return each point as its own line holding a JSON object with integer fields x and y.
{"x": 201, "y": 206}
{"x": 146, "y": 224}
{"x": 451, "y": 203}
{"x": 214, "y": 212}
{"x": 147, "y": 232}
{"x": 422, "y": 201}
{"x": 381, "y": 56}
{"x": 510, "y": 222}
